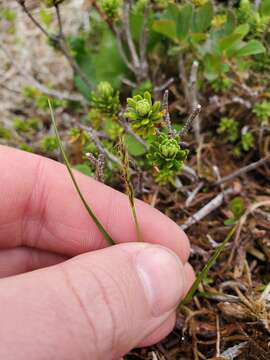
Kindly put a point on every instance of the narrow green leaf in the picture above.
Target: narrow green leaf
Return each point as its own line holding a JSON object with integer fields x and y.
{"x": 229, "y": 41}
{"x": 265, "y": 8}
{"x": 203, "y": 17}
{"x": 184, "y": 21}
{"x": 166, "y": 28}
{"x": 203, "y": 274}
{"x": 89, "y": 210}
{"x": 253, "y": 47}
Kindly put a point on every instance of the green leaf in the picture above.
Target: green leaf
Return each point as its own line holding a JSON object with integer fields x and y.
{"x": 134, "y": 147}
{"x": 136, "y": 25}
{"x": 166, "y": 28}
{"x": 171, "y": 12}
{"x": 184, "y": 21}
{"x": 84, "y": 169}
{"x": 253, "y": 47}
{"x": 87, "y": 207}
{"x": 108, "y": 63}
{"x": 229, "y": 41}
{"x": 203, "y": 17}
{"x": 233, "y": 40}
{"x": 265, "y": 8}
{"x": 212, "y": 66}
{"x": 242, "y": 30}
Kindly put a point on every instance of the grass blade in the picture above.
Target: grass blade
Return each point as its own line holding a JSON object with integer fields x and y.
{"x": 88, "y": 208}
{"x": 202, "y": 275}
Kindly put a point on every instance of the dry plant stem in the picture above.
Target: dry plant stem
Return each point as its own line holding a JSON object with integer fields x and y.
{"x": 129, "y": 188}
{"x": 165, "y": 106}
{"x": 218, "y": 336}
{"x": 193, "y": 194}
{"x": 129, "y": 130}
{"x": 241, "y": 224}
{"x": 130, "y": 42}
{"x": 243, "y": 170}
{"x": 143, "y": 43}
{"x": 62, "y": 95}
{"x": 164, "y": 86}
{"x": 59, "y": 41}
{"x": 117, "y": 34}
{"x": 59, "y": 20}
{"x": 88, "y": 208}
{"x": 234, "y": 351}
{"x": 94, "y": 136}
{"x": 207, "y": 209}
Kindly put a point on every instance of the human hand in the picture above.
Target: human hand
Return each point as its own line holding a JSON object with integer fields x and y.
{"x": 84, "y": 300}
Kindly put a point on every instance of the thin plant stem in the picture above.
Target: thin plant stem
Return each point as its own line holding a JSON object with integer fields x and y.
{"x": 129, "y": 188}
{"x": 88, "y": 208}
{"x": 201, "y": 275}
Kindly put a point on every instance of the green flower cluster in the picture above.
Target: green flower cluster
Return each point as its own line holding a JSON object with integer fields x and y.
{"x": 105, "y": 99}
{"x": 112, "y": 8}
{"x": 167, "y": 156}
{"x": 230, "y": 128}
{"x": 262, "y": 110}
{"x": 144, "y": 116}
{"x": 248, "y": 14}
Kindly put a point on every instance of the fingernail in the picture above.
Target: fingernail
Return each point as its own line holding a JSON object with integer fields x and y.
{"x": 162, "y": 275}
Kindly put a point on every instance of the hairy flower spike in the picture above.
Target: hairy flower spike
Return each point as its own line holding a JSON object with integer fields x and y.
{"x": 144, "y": 116}
{"x": 166, "y": 154}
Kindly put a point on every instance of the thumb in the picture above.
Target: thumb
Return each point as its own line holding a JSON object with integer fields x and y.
{"x": 98, "y": 305}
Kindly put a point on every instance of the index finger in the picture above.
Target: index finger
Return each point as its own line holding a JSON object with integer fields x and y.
{"x": 40, "y": 208}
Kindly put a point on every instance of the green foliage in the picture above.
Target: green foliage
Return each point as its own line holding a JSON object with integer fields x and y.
{"x": 49, "y": 144}
{"x": 85, "y": 169}
{"x": 94, "y": 64}
{"x": 46, "y": 17}
{"x": 144, "y": 115}
{"x": 41, "y": 100}
{"x": 247, "y": 141}
{"x": 105, "y": 99}
{"x": 112, "y": 8}
{"x": 237, "y": 207}
{"x": 26, "y": 125}
{"x": 113, "y": 129}
{"x": 215, "y": 39}
{"x": 262, "y": 110}
{"x": 230, "y": 128}
{"x": 134, "y": 147}
{"x": 26, "y": 147}
{"x": 7, "y": 14}
{"x": 258, "y": 20}
{"x": 5, "y": 133}
{"x": 166, "y": 155}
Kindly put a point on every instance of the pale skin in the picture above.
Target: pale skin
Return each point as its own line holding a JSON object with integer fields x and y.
{"x": 66, "y": 295}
